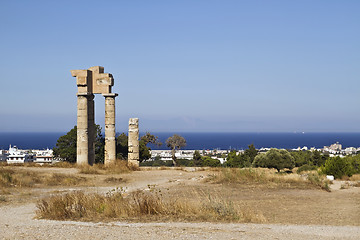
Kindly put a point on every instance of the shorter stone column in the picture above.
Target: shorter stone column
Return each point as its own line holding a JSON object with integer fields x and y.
{"x": 110, "y": 145}
{"x": 133, "y": 143}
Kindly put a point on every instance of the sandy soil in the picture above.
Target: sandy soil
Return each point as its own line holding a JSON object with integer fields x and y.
{"x": 290, "y": 213}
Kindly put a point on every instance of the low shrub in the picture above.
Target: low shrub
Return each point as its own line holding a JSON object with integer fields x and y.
{"x": 234, "y": 175}
{"x": 156, "y": 163}
{"x": 319, "y": 181}
{"x": 210, "y": 162}
{"x": 184, "y": 163}
{"x": 338, "y": 167}
{"x": 305, "y": 168}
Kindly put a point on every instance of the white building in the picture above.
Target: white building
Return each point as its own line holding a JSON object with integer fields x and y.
{"x": 43, "y": 156}
{"x": 165, "y": 155}
{"x": 19, "y": 156}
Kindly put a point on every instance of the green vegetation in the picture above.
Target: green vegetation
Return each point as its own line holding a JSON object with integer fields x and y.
{"x": 156, "y": 163}
{"x": 311, "y": 158}
{"x": 320, "y": 181}
{"x": 275, "y": 158}
{"x": 175, "y": 142}
{"x": 338, "y": 167}
{"x": 211, "y": 162}
{"x": 144, "y": 149}
{"x": 66, "y": 146}
{"x": 241, "y": 160}
{"x": 305, "y": 168}
{"x": 122, "y": 147}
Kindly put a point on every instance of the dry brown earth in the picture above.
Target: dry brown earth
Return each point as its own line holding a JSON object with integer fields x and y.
{"x": 290, "y": 213}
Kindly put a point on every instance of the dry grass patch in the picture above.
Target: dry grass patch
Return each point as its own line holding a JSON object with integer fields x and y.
{"x": 63, "y": 165}
{"x": 120, "y": 166}
{"x": 267, "y": 178}
{"x": 355, "y": 177}
{"x": 86, "y": 169}
{"x": 56, "y": 179}
{"x": 141, "y": 206}
{"x": 10, "y": 178}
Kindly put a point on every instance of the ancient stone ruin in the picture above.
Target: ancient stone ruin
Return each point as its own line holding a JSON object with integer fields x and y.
{"x": 89, "y": 82}
{"x": 133, "y": 142}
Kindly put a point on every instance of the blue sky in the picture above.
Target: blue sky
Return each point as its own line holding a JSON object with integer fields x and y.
{"x": 218, "y": 66}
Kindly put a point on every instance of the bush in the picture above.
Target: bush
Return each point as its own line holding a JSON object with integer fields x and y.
{"x": 338, "y": 167}
{"x": 184, "y": 162}
{"x": 275, "y": 158}
{"x": 210, "y": 162}
{"x": 320, "y": 181}
{"x": 156, "y": 163}
{"x": 237, "y": 160}
{"x": 355, "y": 163}
{"x": 306, "y": 167}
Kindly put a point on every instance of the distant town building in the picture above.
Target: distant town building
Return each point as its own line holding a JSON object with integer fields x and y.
{"x": 16, "y": 155}
{"x": 19, "y": 156}
{"x": 43, "y": 156}
{"x": 334, "y": 148}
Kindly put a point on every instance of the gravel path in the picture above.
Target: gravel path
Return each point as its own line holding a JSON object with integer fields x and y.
{"x": 17, "y": 222}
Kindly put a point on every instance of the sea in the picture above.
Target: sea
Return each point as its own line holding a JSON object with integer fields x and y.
{"x": 203, "y": 141}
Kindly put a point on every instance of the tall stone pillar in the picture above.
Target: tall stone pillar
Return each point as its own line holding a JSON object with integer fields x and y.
{"x": 82, "y": 150}
{"x": 110, "y": 145}
{"x": 133, "y": 143}
{"x": 89, "y": 82}
{"x": 91, "y": 127}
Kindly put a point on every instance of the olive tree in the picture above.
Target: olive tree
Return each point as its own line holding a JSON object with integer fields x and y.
{"x": 275, "y": 158}
{"x": 175, "y": 142}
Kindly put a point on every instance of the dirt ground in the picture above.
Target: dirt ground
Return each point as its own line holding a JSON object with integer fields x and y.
{"x": 290, "y": 213}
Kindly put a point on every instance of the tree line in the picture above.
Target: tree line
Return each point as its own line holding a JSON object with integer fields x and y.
{"x": 278, "y": 159}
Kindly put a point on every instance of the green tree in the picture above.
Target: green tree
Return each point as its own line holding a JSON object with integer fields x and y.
{"x": 210, "y": 162}
{"x": 122, "y": 146}
{"x": 175, "y": 142}
{"x": 275, "y": 158}
{"x": 198, "y": 161}
{"x": 302, "y": 158}
{"x": 144, "y": 149}
{"x": 251, "y": 152}
{"x": 319, "y": 159}
{"x": 99, "y": 145}
{"x": 66, "y": 146}
{"x": 237, "y": 160}
{"x": 338, "y": 167}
